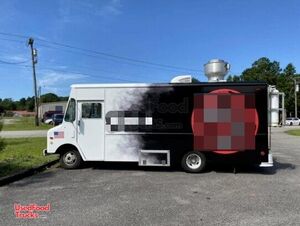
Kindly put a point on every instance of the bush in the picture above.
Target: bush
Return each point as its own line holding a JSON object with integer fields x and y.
{"x": 8, "y": 114}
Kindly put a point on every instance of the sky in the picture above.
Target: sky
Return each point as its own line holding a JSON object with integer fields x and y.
{"x": 113, "y": 41}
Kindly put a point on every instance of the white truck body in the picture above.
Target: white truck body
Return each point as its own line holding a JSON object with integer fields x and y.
{"x": 152, "y": 123}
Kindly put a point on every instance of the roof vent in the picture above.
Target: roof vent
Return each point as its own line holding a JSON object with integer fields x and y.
{"x": 216, "y": 69}
{"x": 182, "y": 79}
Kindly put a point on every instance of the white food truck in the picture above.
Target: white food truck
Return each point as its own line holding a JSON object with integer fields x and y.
{"x": 164, "y": 124}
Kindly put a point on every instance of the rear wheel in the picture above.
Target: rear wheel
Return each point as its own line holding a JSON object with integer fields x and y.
{"x": 193, "y": 162}
{"x": 291, "y": 123}
{"x": 70, "y": 159}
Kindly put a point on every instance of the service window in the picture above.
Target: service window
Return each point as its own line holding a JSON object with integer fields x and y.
{"x": 91, "y": 110}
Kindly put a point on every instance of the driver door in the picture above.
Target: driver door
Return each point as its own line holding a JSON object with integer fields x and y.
{"x": 90, "y": 127}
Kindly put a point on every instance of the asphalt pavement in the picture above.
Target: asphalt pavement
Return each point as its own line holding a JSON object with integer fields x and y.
{"x": 122, "y": 194}
{"x": 25, "y": 133}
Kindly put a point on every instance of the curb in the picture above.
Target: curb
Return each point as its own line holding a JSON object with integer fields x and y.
{"x": 25, "y": 173}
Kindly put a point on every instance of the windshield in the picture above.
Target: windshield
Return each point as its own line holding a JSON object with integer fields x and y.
{"x": 70, "y": 113}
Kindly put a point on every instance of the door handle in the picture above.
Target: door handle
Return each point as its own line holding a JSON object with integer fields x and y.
{"x": 78, "y": 123}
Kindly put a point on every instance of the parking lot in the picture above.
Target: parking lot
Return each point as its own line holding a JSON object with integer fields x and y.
{"x": 127, "y": 195}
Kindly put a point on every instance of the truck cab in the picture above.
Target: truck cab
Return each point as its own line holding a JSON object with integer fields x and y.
{"x": 80, "y": 130}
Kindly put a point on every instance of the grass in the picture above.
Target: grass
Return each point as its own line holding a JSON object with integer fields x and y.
{"x": 23, "y": 123}
{"x": 18, "y": 154}
{"x": 295, "y": 132}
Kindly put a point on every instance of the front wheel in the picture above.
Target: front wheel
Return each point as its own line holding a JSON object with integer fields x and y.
{"x": 193, "y": 162}
{"x": 70, "y": 159}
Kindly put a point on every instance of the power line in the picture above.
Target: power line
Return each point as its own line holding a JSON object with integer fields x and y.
{"x": 97, "y": 54}
{"x": 91, "y": 75}
{"x": 11, "y": 40}
{"x": 7, "y": 62}
{"x": 103, "y": 57}
{"x": 16, "y": 65}
{"x": 103, "y": 70}
{"x": 113, "y": 60}
{"x": 75, "y": 72}
{"x": 118, "y": 57}
{"x": 87, "y": 74}
{"x": 109, "y": 72}
{"x": 14, "y": 35}
{"x": 106, "y": 54}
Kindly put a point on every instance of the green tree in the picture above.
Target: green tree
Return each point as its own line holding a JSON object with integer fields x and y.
{"x": 269, "y": 71}
{"x": 67, "y": 98}
{"x": 22, "y": 104}
{"x": 30, "y": 103}
{"x": 285, "y": 84}
{"x": 289, "y": 70}
{"x": 2, "y": 144}
{"x": 49, "y": 97}
{"x": 1, "y": 107}
{"x": 234, "y": 78}
{"x": 8, "y": 104}
{"x": 262, "y": 70}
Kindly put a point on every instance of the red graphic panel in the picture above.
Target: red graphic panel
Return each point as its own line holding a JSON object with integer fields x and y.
{"x": 224, "y": 121}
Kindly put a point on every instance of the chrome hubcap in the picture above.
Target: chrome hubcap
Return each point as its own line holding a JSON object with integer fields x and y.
{"x": 70, "y": 158}
{"x": 193, "y": 161}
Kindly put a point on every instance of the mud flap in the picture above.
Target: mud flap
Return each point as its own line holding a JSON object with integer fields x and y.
{"x": 269, "y": 163}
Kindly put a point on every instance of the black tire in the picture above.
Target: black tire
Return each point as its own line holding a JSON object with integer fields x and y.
{"x": 291, "y": 123}
{"x": 70, "y": 159}
{"x": 193, "y": 162}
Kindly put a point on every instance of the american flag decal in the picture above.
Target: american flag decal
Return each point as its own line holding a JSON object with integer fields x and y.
{"x": 58, "y": 135}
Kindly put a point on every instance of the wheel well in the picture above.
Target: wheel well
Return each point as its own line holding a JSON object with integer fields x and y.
{"x": 65, "y": 147}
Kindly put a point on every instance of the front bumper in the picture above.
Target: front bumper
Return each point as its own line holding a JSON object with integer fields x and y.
{"x": 45, "y": 153}
{"x": 269, "y": 163}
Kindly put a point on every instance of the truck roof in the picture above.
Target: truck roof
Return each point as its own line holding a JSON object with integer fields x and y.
{"x": 123, "y": 85}
{"x": 111, "y": 85}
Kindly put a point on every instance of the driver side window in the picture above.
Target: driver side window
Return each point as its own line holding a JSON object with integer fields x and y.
{"x": 70, "y": 113}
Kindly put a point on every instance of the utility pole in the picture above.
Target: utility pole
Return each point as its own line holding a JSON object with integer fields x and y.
{"x": 39, "y": 97}
{"x": 34, "y": 61}
{"x": 295, "y": 96}
{"x": 39, "y": 92}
